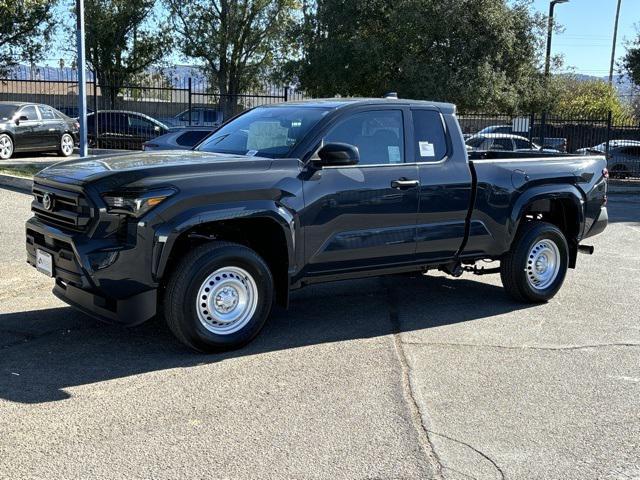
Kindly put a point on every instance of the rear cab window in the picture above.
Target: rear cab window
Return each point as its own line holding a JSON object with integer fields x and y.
{"x": 430, "y": 140}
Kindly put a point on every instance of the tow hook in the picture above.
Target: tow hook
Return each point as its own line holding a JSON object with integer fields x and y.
{"x": 588, "y": 249}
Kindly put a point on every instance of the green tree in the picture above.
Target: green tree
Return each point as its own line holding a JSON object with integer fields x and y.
{"x": 25, "y": 27}
{"x": 575, "y": 97}
{"x": 631, "y": 61}
{"x": 238, "y": 41}
{"x": 480, "y": 54}
{"x": 121, "y": 41}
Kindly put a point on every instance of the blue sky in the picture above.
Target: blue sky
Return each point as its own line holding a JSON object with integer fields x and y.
{"x": 588, "y": 32}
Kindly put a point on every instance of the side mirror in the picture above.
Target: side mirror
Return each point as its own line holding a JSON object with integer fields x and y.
{"x": 21, "y": 118}
{"x": 338, "y": 154}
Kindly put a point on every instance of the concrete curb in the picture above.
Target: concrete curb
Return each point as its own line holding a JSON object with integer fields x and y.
{"x": 16, "y": 184}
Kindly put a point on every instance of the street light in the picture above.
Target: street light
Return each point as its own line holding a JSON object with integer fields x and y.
{"x": 547, "y": 64}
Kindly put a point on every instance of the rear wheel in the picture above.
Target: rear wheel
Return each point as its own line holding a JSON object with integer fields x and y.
{"x": 6, "y": 147}
{"x": 218, "y": 297}
{"x": 66, "y": 145}
{"x": 534, "y": 269}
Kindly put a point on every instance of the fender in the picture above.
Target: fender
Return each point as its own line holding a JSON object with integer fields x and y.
{"x": 544, "y": 192}
{"x": 167, "y": 234}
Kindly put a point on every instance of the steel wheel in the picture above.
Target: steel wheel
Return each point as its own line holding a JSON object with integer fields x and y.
{"x": 66, "y": 145}
{"x": 543, "y": 264}
{"x": 227, "y": 300}
{"x": 6, "y": 147}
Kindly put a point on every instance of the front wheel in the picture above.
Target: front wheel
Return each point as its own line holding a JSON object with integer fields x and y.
{"x": 6, "y": 147}
{"x": 218, "y": 297}
{"x": 534, "y": 269}
{"x": 66, "y": 145}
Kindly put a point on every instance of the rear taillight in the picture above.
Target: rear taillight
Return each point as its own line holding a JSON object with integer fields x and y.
{"x": 605, "y": 173}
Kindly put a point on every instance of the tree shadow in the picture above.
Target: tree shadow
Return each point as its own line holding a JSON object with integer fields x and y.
{"x": 44, "y": 352}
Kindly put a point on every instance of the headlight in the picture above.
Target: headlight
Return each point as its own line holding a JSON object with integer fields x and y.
{"x": 136, "y": 203}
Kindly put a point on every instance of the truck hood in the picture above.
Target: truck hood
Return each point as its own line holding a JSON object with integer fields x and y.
{"x": 149, "y": 164}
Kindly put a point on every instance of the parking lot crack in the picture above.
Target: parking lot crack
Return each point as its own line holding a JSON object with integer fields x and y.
{"x": 29, "y": 337}
{"x": 559, "y": 348}
{"x": 471, "y": 447}
{"x": 408, "y": 391}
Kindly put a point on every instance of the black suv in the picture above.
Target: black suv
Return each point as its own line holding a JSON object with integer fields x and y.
{"x": 33, "y": 127}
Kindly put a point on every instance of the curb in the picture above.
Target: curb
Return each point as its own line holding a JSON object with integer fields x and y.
{"x": 16, "y": 184}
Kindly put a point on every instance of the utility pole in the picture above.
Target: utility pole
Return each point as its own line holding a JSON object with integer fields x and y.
{"x": 547, "y": 62}
{"x": 82, "y": 78}
{"x": 615, "y": 40}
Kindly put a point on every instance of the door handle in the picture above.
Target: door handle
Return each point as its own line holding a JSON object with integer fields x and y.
{"x": 403, "y": 183}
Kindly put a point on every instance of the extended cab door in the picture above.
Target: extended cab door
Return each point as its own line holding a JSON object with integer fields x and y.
{"x": 445, "y": 184}
{"x": 359, "y": 217}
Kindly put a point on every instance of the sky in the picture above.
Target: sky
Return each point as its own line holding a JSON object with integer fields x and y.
{"x": 585, "y": 42}
{"x": 587, "y": 38}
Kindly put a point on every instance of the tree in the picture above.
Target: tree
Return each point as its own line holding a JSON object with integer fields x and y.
{"x": 480, "y": 54}
{"x": 237, "y": 40}
{"x": 120, "y": 42}
{"x": 25, "y": 27}
{"x": 575, "y": 97}
{"x": 631, "y": 61}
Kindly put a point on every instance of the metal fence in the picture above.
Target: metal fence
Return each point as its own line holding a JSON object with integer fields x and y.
{"x": 171, "y": 101}
{"x": 616, "y": 137}
{"x": 182, "y": 100}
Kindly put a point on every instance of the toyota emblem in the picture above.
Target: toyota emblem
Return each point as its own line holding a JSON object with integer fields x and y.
{"x": 47, "y": 201}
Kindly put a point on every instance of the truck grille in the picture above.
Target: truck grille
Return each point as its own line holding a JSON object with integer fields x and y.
{"x": 61, "y": 208}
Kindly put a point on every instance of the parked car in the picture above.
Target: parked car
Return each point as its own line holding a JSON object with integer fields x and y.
{"x": 179, "y": 138}
{"x": 73, "y": 112}
{"x": 289, "y": 195}
{"x": 550, "y": 143}
{"x": 122, "y": 129}
{"x": 33, "y": 127}
{"x": 504, "y": 142}
{"x": 623, "y": 157}
{"x": 200, "y": 116}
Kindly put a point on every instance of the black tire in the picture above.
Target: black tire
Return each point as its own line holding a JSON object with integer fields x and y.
{"x": 182, "y": 312}
{"x": 516, "y": 267}
{"x": 63, "y": 148}
{"x": 7, "y": 147}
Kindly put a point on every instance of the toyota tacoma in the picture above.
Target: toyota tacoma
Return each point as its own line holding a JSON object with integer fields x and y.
{"x": 288, "y": 195}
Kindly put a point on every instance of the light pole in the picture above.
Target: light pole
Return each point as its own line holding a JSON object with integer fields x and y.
{"x": 82, "y": 78}
{"x": 615, "y": 39}
{"x": 547, "y": 63}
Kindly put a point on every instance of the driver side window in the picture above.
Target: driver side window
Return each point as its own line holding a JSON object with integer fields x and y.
{"x": 379, "y": 136}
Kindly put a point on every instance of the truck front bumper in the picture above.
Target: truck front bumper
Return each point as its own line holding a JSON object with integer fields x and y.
{"x": 101, "y": 281}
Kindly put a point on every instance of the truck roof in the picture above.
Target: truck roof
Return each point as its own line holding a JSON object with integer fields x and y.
{"x": 346, "y": 102}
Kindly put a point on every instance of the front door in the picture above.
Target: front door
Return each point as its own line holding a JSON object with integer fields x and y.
{"x": 28, "y": 131}
{"x": 363, "y": 216}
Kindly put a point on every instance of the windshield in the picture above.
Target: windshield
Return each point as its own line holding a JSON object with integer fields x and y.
{"x": 7, "y": 111}
{"x": 475, "y": 142}
{"x": 264, "y": 131}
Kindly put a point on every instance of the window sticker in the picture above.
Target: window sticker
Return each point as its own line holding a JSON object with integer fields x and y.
{"x": 252, "y": 153}
{"x": 426, "y": 149}
{"x": 394, "y": 154}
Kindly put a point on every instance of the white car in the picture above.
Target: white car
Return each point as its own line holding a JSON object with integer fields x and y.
{"x": 504, "y": 142}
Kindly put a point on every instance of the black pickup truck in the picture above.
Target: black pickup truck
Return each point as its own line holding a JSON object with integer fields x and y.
{"x": 288, "y": 195}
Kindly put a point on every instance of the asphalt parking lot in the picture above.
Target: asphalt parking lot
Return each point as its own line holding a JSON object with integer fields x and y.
{"x": 387, "y": 378}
